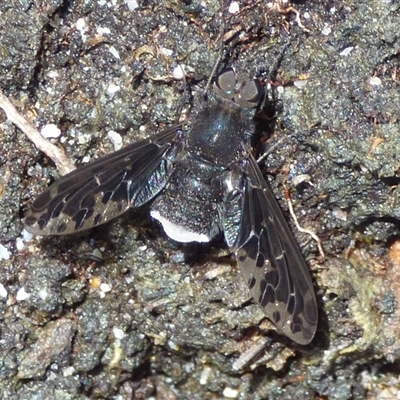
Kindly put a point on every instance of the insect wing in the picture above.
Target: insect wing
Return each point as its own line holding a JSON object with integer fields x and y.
{"x": 102, "y": 190}
{"x": 267, "y": 253}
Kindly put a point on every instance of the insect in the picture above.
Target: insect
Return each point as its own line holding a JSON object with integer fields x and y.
{"x": 198, "y": 183}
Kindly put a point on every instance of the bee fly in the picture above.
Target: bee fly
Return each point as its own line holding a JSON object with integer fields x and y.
{"x": 199, "y": 183}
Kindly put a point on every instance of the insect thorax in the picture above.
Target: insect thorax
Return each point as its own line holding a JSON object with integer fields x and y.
{"x": 219, "y": 134}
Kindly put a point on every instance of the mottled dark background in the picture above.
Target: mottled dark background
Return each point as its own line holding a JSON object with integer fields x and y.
{"x": 173, "y": 320}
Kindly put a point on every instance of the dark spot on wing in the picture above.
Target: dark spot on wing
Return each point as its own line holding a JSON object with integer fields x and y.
{"x": 276, "y": 316}
{"x": 106, "y": 197}
{"x": 44, "y": 220}
{"x": 61, "y": 227}
{"x": 290, "y": 305}
{"x": 252, "y": 247}
{"x": 296, "y": 326}
{"x": 263, "y": 285}
{"x": 267, "y": 294}
{"x": 251, "y": 283}
{"x": 97, "y": 219}
{"x": 242, "y": 258}
{"x": 81, "y": 216}
{"x": 57, "y": 210}
{"x": 260, "y": 263}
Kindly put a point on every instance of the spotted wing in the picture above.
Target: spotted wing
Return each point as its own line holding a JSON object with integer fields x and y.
{"x": 267, "y": 253}
{"x": 96, "y": 193}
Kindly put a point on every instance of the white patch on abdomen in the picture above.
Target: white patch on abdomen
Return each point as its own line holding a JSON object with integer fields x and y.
{"x": 179, "y": 233}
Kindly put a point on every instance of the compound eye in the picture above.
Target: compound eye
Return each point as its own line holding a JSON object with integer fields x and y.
{"x": 225, "y": 84}
{"x": 250, "y": 94}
